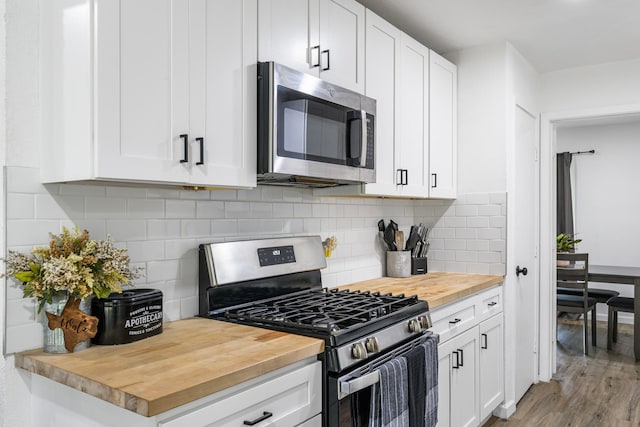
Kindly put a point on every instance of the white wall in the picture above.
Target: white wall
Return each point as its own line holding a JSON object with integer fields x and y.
{"x": 606, "y": 204}
{"x": 596, "y": 86}
{"x": 481, "y": 118}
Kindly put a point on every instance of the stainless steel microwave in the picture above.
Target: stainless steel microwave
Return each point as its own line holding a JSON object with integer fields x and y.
{"x": 311, "y": 132}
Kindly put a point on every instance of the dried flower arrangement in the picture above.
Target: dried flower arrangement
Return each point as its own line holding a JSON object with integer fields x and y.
{"x": 72, "y": 264}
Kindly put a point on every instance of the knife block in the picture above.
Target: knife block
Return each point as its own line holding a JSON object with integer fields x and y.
{"x": 419, "y": 265}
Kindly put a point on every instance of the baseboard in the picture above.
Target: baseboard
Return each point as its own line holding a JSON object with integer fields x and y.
{"x": 505, "y": 410}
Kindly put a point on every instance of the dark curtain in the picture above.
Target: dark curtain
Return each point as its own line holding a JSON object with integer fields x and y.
{"x": 564, "y": 203}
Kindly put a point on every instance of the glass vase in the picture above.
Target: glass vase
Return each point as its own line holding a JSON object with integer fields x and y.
{"x": 54, "y": 339}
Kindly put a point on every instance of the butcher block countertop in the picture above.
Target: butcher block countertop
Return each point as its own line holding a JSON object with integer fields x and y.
{"x": 436, "y": 288}
{"x": 190, "y": 359}
{"x": 155, "y": 375}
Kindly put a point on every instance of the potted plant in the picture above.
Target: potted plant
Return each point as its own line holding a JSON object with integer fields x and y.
{"x": 66, "y": 274}
{"x": 565, "y": 242}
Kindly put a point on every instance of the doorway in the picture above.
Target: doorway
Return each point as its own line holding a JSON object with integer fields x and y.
{"x": 548, "y": 131}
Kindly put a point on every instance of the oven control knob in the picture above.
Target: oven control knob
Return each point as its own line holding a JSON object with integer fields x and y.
{"x": 358, "y": 351}
{"x": 372, "y": 345}
{"x": 424, "y": 322}
{"x": 414, "y": 326}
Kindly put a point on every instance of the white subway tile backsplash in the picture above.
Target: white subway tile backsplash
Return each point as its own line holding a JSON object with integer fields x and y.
{"x": 20, "y": 206}
{"x": 195, "y": 227}
{"x": 162, "y": 229}
{"x": 30, "y": 232}
{"x": 224, "y": 227}
{"x": 489, "y": 210}
{"x": 180, "y": 209}
{"x": 303, "y": 210}
{"x": 145, "y": 250}
{"x": 466, "y": 210}
{"x": 180, "y": 248}
{"x": 238, "y": 209}
{"x": 24, "y": 180}
{"x": 102, "y": 207}
{"x": 122, "y": 191}
{"x": 210, "y": 209}
{"x": 21, "y": 311}
{"x": 145, "y": 208}
{"x": 82, "y": 190}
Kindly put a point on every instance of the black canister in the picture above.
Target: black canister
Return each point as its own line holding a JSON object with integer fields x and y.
{"x": 133, "y": 315}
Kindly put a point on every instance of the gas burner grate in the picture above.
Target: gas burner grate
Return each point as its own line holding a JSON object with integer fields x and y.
{"x": 329, "y": 310}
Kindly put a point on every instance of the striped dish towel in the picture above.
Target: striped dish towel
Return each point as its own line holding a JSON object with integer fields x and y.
{"x": 389, "y": 397}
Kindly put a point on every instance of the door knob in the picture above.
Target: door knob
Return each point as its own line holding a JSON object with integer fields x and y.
{"x": 522, "y": 270}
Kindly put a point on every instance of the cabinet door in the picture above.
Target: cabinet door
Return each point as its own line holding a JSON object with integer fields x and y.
{"x": 445, "y": 357}
{"x": 382, "y": 62}
{"x": 491, "y": 365}
{"x": 463, "y": 381}
{"x": 414, "y": 114}
{"x": 142, "y": 89}
{"x": 442, "y": 130}
{"x": 288, "y": 33}
{"x": 342, "y": 34}
{"x": 222, "y": 93}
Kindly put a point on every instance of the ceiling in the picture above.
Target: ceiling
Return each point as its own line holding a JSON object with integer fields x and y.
{"x": 551, "y": 34}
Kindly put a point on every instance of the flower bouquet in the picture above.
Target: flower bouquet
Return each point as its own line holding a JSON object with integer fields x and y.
{"x": 74, "y": 267}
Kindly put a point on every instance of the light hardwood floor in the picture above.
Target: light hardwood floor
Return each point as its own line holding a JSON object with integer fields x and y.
{"x": 602, "y": 389}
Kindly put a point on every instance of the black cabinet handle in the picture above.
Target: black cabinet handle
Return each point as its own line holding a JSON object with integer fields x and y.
{"x": 457, "y": 365}
{"x": 201, "y": 141}
{"x": 461, "y": 356}
{"x": 492, "y": 303}
{"x": 317, "y": 49}
{"x": 454, "y": 321}
{"x": 327, "y": 67}
{"x": 405, "y": 179}
{"x": 486, "y": 343}
{"x": 185, "y": 139}
{"x": 435, "y": 180}
{"x": 399, "y": 176}
{"x": 264, "y": 416}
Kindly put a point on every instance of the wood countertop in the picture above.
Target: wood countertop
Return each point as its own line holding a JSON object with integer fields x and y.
{"x": 436, "y": 288}
{"x": 157, "y": 374}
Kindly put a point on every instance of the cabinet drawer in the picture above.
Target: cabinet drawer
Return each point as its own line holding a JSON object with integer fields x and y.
{"x": 490, "y": 303}
{"x": 291, "y": 399}
{"x": 452, "y": 320}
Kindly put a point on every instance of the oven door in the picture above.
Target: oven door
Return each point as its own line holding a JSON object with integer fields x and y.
{"x": 347, "y": 392}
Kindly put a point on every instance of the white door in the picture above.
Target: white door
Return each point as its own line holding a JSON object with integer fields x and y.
{"x": 526, "y": 229}
{"x": 223, "y": 92}
{"x": 443, "y": 77}
{"x": 414, "y": 118}
{"x": 142, "y": 90}
{"x": 383, "y": 64}
{"x": 342, "y": 43}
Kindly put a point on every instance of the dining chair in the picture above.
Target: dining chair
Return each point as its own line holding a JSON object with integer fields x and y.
{"x": 615, "y": 305}
{"x": 576, "y": 276}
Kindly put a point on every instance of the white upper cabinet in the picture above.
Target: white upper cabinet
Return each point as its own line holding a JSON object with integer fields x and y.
{"x": 150, "y": 91}
{"x": 324, "y": 38}
{"x": 414, "y": 118}
{"x": 382, "y": 64}
{"x": 443, "y": 79}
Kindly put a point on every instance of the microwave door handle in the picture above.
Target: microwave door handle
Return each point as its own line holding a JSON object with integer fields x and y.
{"x": 357, "y": 384}
{"x": 365, "y": 138}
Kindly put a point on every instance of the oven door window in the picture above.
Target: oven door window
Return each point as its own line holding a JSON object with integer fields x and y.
{"x": 313, "y": 129}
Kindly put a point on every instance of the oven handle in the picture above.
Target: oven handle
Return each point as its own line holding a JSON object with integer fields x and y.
{"x": 357, "y": 384}
{"x": 368, "y": 375}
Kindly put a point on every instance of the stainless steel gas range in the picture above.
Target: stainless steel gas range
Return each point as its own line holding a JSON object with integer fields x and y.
{"x": 276, "y": 284}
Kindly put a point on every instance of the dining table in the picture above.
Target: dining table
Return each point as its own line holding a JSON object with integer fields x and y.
{"x": 623, "y": 276}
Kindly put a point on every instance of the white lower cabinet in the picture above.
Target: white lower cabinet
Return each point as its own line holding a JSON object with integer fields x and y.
{"x": 288, "y": 400}
{"x": 471, "y": 358}
{"x": 289, "y": 396}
